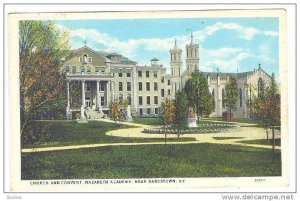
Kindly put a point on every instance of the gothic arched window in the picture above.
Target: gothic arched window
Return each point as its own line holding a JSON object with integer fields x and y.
{"x": 241, "y": 98}
{"x": 260, "y": 88}
{"x": 223, "y": 97}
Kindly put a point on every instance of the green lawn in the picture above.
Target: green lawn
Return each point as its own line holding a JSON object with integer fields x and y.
{"x": 227, "y": 138}
{"x": 155, "y": 121}
{"x": 263, "y": 142}
{"x": 62, "y": 133}
{"x": 147, "y": 161}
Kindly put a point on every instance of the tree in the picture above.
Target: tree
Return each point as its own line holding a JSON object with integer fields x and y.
{"x": 167, "y": 113}
{"x": 196, "y": 89}
{"x": 41, "y": 46}
{"x": 266, "y": 108}
{"x": 115, "y": 111}
{"x": 231, "y": 95}
{"x": 181, "y": 111}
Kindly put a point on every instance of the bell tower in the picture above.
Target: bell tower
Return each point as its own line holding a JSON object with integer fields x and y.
{"x": 192, "y": 56}
{"x": 176, "y": 64}
{"x": 176, "y": 61}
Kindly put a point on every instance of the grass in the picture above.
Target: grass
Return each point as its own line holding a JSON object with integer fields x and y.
{"x": 262, "y": 142}
{"x": 227, "y": 138}
{"x": 148, "y": 161}
{"x": 63, "y": 133}
{"x": 155, "y": 121}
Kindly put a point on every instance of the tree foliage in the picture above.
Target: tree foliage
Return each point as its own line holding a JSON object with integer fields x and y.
{"x": 196, "y": 89}
{"x": 41, "y": 46}
{"x": 231, "y": 95}
{"x": 168, "y": 111}
{"x": 181, "y": 110}
{"x": 266, "y": 108}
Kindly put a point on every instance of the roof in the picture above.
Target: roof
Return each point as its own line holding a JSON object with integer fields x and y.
{"x": 123, "y": 60}
{"x": 214, "y": 74}
{"x": 154, "y": 59}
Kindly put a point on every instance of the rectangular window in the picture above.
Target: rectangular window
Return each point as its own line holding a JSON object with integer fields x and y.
{"x": 120, "y": 86}
{"x": 73, "y": 69}
{"x": 120, "y": 98}
{"x": 148, "y": 86}
{"x": 141, "y": 111}
{"x": 162, "y": 80}
{"x": 147, "y": 74}
{"x": 148, "y": 100}
{"x": 97, "y": 69}
{"x": 120, "y": 73}
{"x": 67, "y": 69}
{"x": 162, "y": 93}
{"x": 102, "y": 86}
{"x": 148, "y": 110}
{"x": 129, "y": 99}
{"x": 169, "y": 82}
{"x": 155, "y": 74}
{"x": 102, "y": 100}
{"x": 140, "y": 100}
{"x": 140, "y": 86}
{"x": 89, "y": 59}
{"x": 155, "y": 100}
{"x": 140, "y": 73}
{"x": 128, "y": 86}
{"x": 102, "y": 69}
{"x": 156, "y": 110}
{"x": 169, "y": 92}
{"x": 82, "y": 69}
{"x": 88, "y": 70}
{"x": 155, "y": 86}
{"x": 128, "y": 74}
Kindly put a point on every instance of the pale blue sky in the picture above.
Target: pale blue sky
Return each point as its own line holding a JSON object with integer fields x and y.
{"x": 229, "y": 44}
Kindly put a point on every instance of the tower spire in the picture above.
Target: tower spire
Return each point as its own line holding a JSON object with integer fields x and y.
{"x": 192, "y": 37}
{"x": 175, "y": 43}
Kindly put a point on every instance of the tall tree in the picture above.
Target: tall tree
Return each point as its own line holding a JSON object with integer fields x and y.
{"x": 115, "y": 111}
{"x": 231, "y": 95}
{"x": 266, "y": 108}
{"x": 167, "y": 114}
{"x": 196, "y": 89}
{"x": 41, "y": 46}
{"x": 181, "y": 110}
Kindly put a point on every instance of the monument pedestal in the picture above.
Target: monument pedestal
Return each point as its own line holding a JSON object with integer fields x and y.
{"x": 192, "y": 122}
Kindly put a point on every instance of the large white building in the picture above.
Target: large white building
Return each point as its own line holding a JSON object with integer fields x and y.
{"x": 107, "y": 77}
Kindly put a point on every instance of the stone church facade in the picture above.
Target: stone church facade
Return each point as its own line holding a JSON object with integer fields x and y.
{"x": 108, "y": 77}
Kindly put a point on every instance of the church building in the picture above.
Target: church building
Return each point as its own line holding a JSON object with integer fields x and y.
{"x": 107, "y": 77}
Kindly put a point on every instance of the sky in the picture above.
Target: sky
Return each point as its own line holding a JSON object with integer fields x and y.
{"x": 227, "y": 44}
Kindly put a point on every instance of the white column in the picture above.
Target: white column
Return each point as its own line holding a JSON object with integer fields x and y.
{"x": 106, "y": 90}
{"x": 68, "y": 95}
{"x": 98, "y": 104}
{"x": 108, "y": 93}
{"x": 68, "y": 114}
{"x": 112, "y": 91}
{"x": 83, "y": 99}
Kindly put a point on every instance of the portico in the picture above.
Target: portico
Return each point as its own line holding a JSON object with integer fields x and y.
{"x": 96, "y": 94}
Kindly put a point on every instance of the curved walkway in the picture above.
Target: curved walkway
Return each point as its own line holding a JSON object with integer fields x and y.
{"x": 238, "y": 135}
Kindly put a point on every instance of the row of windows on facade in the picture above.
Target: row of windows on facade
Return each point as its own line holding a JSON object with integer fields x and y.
{"x": 148, "y": 111}
{"x": 84, "y": 69}
{"x": 148, "y": 100}
{"x": 102, "y": 87}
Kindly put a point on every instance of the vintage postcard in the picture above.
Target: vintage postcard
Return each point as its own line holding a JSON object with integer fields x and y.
{"x": 148, "y": 101}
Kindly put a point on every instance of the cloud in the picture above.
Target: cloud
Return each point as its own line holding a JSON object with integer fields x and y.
{"x": 246, "y": 33}
{"x": 227, "y": 59}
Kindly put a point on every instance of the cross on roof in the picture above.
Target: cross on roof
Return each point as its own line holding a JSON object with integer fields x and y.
{"x": 259, "y": 65}
{"x": 85, "y": 42}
